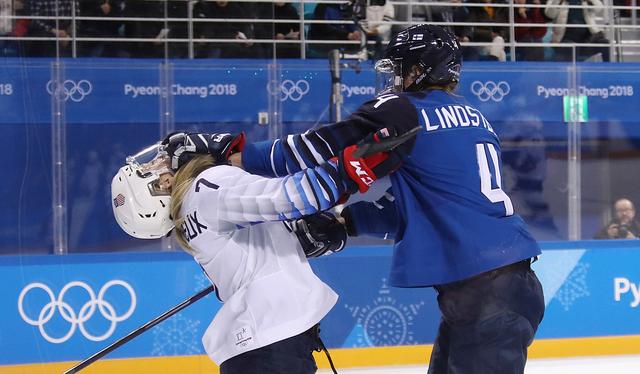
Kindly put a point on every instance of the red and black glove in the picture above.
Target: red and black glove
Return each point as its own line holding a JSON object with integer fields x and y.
{"x": 221, "y": 146}
{"x": 371, "y": 159}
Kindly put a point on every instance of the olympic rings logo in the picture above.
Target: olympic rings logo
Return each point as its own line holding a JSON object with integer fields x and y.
{"x": 289, "y": 90}
{"x": 490, "y": 90}
{"x": 76, "y": 91}
{"x": 78, "y": 319}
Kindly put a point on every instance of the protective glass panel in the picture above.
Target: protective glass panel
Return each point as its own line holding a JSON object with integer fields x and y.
{"x": 114, "y": 116}
{"x": 26, "y": 90}
{"x": 604, "y": 109}
{"x": 533, "y": 141}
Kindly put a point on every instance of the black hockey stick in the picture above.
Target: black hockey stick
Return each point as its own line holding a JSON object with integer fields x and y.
{"x": 385, "y": 145}
{"x": 141, "y": 329}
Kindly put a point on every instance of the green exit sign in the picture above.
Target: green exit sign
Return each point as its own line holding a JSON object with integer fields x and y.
{"x": 575, "y": 108}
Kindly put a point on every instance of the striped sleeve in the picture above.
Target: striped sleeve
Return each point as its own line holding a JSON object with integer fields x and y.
{"x": 243, "y": 199}
{"x": 293, "y": 153}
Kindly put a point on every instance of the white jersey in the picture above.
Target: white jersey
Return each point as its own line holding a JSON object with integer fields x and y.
{"x": 268, "y": 288}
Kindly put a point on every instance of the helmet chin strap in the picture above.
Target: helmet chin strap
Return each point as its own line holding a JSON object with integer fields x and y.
{"x": 417, "y": 76}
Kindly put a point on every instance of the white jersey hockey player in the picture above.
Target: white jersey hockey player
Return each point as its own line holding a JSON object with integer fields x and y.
{"x": 230, "y": 221}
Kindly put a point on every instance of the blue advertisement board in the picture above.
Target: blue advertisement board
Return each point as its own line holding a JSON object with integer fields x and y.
{"x": 62, "y": 308}
{"x": 125, "y": 91}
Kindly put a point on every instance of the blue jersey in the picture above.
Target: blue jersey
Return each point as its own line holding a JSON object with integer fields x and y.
{"x": 452, "y": 219}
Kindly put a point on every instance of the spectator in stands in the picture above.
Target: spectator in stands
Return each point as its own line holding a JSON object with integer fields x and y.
{"x": 158, "y": 29}
{"x": 454, "y": 14}
{"x": 496, "y": 36}
{"x": 12, "y": 27}
{"x": 6, "y": 11}
{"x": 240, "y": 31}
{"x": 417, "y": 14}
{"x": 289, "y": 31}
{"x": 178, "y": 29}
{"x": 586, "y": 16}
{"x": 376, "y": 24}
{"x": 112, "y": 27}
{"x": 624, "y": 225}
{"x": 529, "y": 34}
{"x": 61, "y": 28}
{"x": 147, "y": 29}
{"x": 334, "y": 31}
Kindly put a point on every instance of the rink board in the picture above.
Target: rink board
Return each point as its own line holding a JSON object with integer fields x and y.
{"x": 591, "y": 291}
{"x": 236, "y": 90}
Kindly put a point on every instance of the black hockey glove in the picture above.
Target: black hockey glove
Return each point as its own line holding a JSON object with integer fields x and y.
{"x": 319, "y": 234}
{"x": 182, "y": 147}
{"x": 371, "y": 159}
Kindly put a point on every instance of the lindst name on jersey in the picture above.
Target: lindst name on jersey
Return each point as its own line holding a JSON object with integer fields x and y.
{"x": 450, "y": 116}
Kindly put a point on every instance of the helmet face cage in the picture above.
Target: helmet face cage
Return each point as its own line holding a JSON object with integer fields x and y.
{"x": 388, "y": 76}
{"x": 152, "y": 163}
{"x": 433, "y": 49}
{"x": 140, "y": 201}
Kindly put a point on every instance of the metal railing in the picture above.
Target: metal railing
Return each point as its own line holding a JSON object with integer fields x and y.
{"x": 611, "y": 21}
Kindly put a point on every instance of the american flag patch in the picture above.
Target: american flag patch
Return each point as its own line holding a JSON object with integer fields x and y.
{"x": 417, "y": 37}
{"x": 119, "y": 200}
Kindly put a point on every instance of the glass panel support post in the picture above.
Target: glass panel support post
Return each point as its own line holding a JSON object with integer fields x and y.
{"x": 336, "y": 94}
{"x": 167, "y": 120}
{"x": 59, "y": 160}
{"x": 274, "y": 91}
{"x": 573, "y": 163}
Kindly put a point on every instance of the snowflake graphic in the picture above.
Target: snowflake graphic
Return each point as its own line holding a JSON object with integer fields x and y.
{"x": 574, "y": 287}
{"x": 201, "y": 281}
{"x": 176, "y": 336}
{"x": 384, "y": 323}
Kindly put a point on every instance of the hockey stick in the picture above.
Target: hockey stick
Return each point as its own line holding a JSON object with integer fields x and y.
{"x": 141, "y": 329}
{"x": 385, "y": 145}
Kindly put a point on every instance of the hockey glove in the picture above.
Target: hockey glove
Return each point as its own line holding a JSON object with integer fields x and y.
{"x": 319, "y": 234}
{"x": 182, "y": 147}
{"x": 372, "y": 158}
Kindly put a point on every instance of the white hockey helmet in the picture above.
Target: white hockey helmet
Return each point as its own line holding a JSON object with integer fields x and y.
{"x": 140, "y": 201}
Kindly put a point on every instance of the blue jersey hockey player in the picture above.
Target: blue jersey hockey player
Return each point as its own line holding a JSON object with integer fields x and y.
{"x": 455, "y": 229}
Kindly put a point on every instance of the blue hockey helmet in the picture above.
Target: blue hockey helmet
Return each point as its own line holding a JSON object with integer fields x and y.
{"x": 433, "y": 49}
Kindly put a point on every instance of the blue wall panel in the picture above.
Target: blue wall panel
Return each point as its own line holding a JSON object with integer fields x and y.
{"x": 579, "y": 281}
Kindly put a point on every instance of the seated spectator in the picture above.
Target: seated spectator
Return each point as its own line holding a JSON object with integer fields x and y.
{"x": 111, "y": 27}
{"x": 454, "y": 14}
{"x": 178, "y": 29}
{"x": 417, "y": 14}
{"x": 12, "y": 27}
{"x": 62, "y": 28}
{"x": 158, "y": 30}
{"x": 624, "y": 225}
{"x": 376, "y": 24}
{"x": 529, "y": 34}
{"x": 201, "y": 30}
{"x": 146, "y": 29}
{"x": 280, "y": 31}
{"x": 496, "y": 36}
{"x": 240, "y": 31}
{"x": 6, "y": 11}
{"x": 333, "y": 31}
{"x": 592, "y": 33}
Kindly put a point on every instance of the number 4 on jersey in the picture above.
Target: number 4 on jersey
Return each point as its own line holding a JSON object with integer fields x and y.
{"x": 495, "y": 195}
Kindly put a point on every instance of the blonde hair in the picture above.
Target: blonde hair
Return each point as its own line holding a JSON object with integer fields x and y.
{"x": 451, "y": 88}
{"x": 181, "y": 184}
